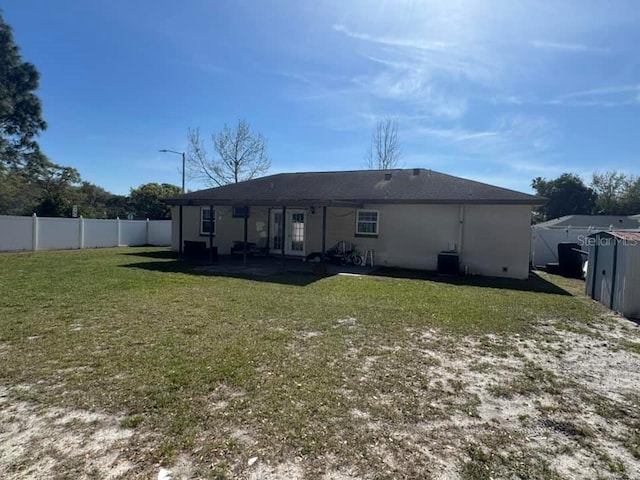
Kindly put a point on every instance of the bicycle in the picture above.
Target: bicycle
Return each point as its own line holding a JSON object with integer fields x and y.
{"x": 351, "y": 257}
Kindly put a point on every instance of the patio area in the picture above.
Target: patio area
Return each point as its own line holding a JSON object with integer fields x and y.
{"x": 270, "y": 266}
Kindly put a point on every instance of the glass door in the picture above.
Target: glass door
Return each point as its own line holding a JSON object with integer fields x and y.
{"x": 295, "y": 240}
{"x": 276, "y": 231}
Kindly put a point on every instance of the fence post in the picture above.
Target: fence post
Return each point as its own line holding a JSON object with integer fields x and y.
{"x": 147, "y": 233}
{"x": 81, "y": 232}
{"x": 34, "y": 233}
{"x": 118, "y": 230}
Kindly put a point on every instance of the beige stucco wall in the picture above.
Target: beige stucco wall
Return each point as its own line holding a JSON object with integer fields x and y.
{"x": 227, "y": 228}
{"x": 495, "y": 238}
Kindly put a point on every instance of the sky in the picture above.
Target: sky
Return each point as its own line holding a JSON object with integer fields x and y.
{"x": 495, "y": 91}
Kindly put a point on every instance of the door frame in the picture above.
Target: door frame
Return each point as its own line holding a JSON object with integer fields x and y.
{"x": 288, "y": 219}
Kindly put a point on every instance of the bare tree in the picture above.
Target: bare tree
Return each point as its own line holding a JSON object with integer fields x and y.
{"x": 240, "y": 155}
{"x": 385, "y": 149}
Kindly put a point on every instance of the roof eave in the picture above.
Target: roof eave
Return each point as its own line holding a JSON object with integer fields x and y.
{"x": 177, "y": 201}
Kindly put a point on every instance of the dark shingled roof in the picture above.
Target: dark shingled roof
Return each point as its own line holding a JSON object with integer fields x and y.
{"x": 354, "y": 188}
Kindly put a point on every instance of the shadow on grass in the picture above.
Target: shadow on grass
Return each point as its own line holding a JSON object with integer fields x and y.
{"x": 534, "y": 283}
{"x": 294, "y": 272}
{"x": 166, "y": 254}
{"x": 274, "y": 274}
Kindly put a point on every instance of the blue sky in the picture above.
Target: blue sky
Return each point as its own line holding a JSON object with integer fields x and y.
{"x": 497, "y": 91}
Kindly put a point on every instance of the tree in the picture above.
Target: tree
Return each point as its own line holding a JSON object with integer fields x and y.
{"x": 15, "y": 195}
{"x": 38, "y": 186}
{"x": 631, "y": 196}
{"x": 56, "y": 185}
{"x": 609, "y": 188}
{"x": 385, "y": 149}
{"x": 20, "y": 109}
{"x": 566, "y": 195}
{"x": 241, "y": 154}
{"x": 147, "y": 199}
{"x": 95, "y": 202}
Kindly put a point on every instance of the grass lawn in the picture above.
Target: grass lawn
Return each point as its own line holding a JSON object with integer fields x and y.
{"x": 152, "y": 364}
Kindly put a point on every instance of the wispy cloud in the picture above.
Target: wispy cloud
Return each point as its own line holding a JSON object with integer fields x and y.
{"x": 395, "y": 42}
{"x": 612, "y": 96}
{"x": 429, "y": 56}
{"x": 568, "y": 47}
{"x": 414, "y": 74}
{"x": 522, "y": 143}
{"x": 507, "y": 133}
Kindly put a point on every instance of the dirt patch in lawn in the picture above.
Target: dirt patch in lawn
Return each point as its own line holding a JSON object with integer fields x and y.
{"x": 46, "y": 442}
{"x": 560, "y": 403}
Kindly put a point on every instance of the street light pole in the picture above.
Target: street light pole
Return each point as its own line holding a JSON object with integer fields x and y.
{"x": 164, "y": 150}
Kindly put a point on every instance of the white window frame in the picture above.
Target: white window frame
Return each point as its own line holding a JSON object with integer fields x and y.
{"x": 376, "y": 223}
{"x": 202, "y": 220}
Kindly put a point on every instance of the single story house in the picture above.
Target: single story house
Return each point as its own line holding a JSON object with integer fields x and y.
{"x": 406, "y": 217}
{"x": 546, "y": 236}
{"x": 613, "y": 271}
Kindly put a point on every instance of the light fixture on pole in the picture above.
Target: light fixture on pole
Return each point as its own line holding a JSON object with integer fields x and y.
{"x": 164, "y": 150}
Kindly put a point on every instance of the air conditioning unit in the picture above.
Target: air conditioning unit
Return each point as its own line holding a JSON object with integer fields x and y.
{"x": 448, "y": 263}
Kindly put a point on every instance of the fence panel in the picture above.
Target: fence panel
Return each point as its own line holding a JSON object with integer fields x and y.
{"x": 58, "y": 233}
{"x": 100, "y": 233}
{"x": 160, "y": 233}
{"x": 33, "y": 233}
{"x": 16, "y": 233}
{"x": 133, "y": 232}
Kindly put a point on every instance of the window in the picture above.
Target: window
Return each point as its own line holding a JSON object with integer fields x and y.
{"x": 367, "y": 222}
{"x": 207, "y": 226}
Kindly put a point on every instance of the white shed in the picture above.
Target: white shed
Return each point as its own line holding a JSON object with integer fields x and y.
{"x": 613, "y": 274}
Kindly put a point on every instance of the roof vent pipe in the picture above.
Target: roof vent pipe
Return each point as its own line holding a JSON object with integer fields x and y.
{"x": 416, "y": 171}
{"x": 387, "y": 176}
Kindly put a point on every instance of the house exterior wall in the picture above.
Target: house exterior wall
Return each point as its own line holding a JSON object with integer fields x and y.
{"x": 410, "y": 236}
{"x": 227, "y": 228}
{"x": 495, "y": 238}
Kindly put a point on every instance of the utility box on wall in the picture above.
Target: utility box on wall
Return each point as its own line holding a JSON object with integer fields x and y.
{"x": 613, "y": 273}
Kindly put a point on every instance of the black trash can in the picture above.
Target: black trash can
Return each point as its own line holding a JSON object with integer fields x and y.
{"x": 570, "y": 260}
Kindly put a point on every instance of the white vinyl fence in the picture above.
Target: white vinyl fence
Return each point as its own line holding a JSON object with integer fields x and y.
{"x": 34, "y": 233}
